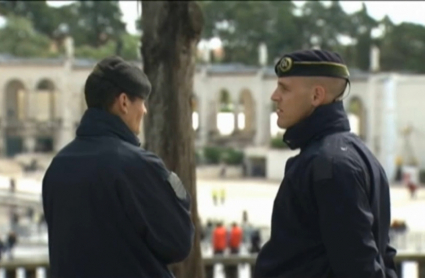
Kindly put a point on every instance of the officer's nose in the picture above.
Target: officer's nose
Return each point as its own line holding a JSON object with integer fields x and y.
{"x": 145, "y": 110}
{"x": 274, "y": 96}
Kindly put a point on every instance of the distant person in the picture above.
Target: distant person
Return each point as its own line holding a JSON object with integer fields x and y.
{"x": 112, "y": 208}
{"x": 399, "y": 169}
{"x": 14, "y": 220}
{"x": 30, "y": 214}
{"x": 244, "y": 169}
{"x": 235, "y": 239}
{"x": 223, "y": 196}
{"x": 41, "y": 222}
{"x": 12, "y": 184}
{"x": 223, "y": 170}
{"x": 219, "y": 239}
{"x": 209, "y": 231}
{"x": 255, "y": 239}
{"x": 2, "y": 248}
{"x": 331, "y": 215}
{"x": 214, "y": 194}
{"x": 247, "y": 228}
{"x": 411, "y": 185}
{"x": 11, "y": 242}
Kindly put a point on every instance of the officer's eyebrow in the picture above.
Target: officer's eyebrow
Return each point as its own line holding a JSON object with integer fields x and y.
{"x": 283, "y": 85}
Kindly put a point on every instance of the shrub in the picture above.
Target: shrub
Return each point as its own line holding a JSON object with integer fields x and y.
{"x": 215, "y": 155}
{"x": 212, "y": 155}
{"x": 233, "y": 157}
{"x": 277, "y": 143}
{"x": 422, "y": 176}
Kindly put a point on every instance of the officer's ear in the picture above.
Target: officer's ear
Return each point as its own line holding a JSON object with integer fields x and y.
{"x": 123, "y": 103}
{"x": 319, "y": 95}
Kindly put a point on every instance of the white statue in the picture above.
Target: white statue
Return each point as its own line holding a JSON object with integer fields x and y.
{"x": 69, "y": 47}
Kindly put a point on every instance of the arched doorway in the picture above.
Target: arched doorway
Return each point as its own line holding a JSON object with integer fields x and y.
{"x": 15, "y": 107}
{"x": 275, "y": 130}
{"x": 195, "y": 112}
{"x": 46, "y": 98}
{"x": 225, "y": 114}
{"x": 357, "y": 117}
{"x": 45, "y": 115}
{"x": 246, "y": 114}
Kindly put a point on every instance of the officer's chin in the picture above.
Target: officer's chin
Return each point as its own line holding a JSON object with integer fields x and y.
{"x": 281, "y": 123}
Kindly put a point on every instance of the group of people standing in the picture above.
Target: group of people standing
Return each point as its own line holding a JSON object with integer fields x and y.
{"x": 8, "y": 245}
{"x": 224, "y": 240}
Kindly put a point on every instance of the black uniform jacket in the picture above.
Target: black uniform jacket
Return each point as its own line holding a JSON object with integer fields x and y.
{"x": 331, "y": 215}
{"x": 112, "y": 208}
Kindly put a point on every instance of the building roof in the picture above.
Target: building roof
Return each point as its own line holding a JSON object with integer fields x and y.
{"x": 82, "y": 63}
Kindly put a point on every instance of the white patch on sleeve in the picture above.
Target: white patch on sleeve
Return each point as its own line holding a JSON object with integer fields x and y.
{"x": 177, "y": 185}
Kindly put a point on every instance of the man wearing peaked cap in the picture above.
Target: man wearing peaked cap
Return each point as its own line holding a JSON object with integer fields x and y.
{"x": 331, "y": 215}
{"x": 112, "y": 208}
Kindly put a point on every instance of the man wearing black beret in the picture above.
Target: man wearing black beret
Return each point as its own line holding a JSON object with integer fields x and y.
{"x": 112, "y": 208}
{"x": 331, "y": 215}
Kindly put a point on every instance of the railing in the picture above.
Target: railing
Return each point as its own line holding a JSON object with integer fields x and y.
{"x": 39, "y": 268}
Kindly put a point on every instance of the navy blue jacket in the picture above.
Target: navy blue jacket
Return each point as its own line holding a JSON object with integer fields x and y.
{"x": 112, "y": 208}
{"x": 331, "y": 215}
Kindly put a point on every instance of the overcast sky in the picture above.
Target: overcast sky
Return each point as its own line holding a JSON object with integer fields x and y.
{"x": 398, "y": 11}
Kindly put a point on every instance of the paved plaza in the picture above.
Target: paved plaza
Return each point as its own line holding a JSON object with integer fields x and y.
{"x": 254, "y": 196}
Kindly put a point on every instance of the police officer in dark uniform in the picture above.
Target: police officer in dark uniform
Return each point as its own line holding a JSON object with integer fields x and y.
{"x": 331, "y": 215}
{"x": 112, "y": 208}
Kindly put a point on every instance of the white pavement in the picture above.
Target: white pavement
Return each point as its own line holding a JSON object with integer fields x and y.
{"x": 256, "y": 197}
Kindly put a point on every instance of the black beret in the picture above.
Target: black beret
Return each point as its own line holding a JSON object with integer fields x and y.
{"x": 131, "y": 79}
{"x": 312, "y": 63}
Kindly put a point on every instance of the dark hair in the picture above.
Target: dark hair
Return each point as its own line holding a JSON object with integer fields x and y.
{"x": 101, "y": 93}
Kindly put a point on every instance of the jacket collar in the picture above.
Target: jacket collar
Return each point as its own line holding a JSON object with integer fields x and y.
{"x": 97, "y": 122}
{"x": 326, "y": 119}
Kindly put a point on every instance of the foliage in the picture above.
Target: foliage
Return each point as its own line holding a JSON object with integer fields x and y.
{"x": 284, "y": 27}
{"x": 215, "y": 155}
{"x": 212, "y": 155}
{"x": 243, "y": 25}
{"x": 273, "y": 106}
{"x": 88, "y": 22}
{"x": 422, "y": 176}
{"x": 97, "y": 22}
{"x": 43, "y": 17}
{"x": 232, "y": 156}
{"x": 129, "y": 49}
{"x": 226, "y": 108}
{"x": 19, "y": 38}
{"x": 98, "y": 30}
{"x": 225, "y": 96}
{"x": 278, "y": 143}
{"x": 198, "y": 156}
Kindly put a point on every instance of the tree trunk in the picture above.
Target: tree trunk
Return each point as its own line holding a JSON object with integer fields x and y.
{"x": 171, "y": 31}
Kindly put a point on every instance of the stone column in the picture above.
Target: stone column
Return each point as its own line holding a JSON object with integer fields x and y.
{"x": 389, "y": 127}
{"x": 204, "y": 109}
{"x": 29, "y": 143}
{"x": 2, "y": 135}
{"x": 29, "y": 140}
{"x": 30, "y": 100}
{"x": 370, "y": 106}
{"x": 236, "y": 118}
{"x": 262, "y": 135}
{"x": 65, "y": 130}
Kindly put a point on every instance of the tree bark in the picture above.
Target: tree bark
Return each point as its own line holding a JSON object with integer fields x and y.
{"x": 171, "y": 31}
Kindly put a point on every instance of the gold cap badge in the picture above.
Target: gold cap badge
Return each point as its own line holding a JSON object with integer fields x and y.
{"x": 285, "y": 64}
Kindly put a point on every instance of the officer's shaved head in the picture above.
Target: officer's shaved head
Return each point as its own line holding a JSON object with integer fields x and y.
{"x": 333, "y": 87}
